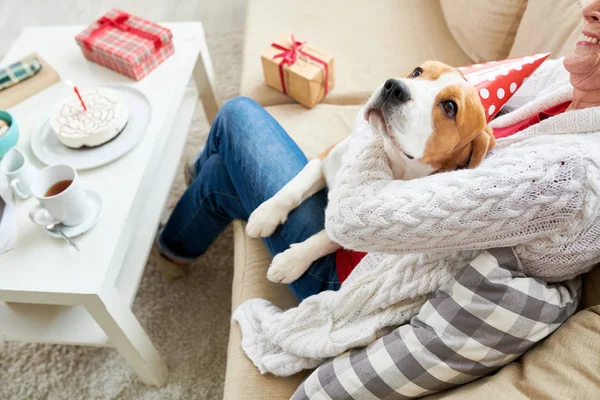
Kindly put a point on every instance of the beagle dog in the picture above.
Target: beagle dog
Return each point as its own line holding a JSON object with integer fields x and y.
{"x": 431, "y": 121}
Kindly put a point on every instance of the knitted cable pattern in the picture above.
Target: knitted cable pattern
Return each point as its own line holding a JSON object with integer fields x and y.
{"x": 527, "y": 196}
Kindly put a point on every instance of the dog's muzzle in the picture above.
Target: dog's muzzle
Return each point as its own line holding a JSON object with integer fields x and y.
{"x": 395, "y": 91}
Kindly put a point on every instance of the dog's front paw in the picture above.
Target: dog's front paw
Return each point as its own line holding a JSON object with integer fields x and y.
{"x": 289, "y": 265}
{"x": 266, "y": 218}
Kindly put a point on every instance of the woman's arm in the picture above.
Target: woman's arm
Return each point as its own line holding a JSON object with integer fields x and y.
{"x": 521, "y": 193}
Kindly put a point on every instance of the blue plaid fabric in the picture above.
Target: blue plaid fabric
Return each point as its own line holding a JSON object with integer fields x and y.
{"x": 19, "y": 71}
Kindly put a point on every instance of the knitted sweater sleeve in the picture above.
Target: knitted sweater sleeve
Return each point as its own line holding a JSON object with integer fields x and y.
{"x": 541, "y": 79}
{"x": 517, "y": 194}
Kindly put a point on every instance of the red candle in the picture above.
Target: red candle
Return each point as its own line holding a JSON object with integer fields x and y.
{"x": 78, "y": 95}
{"x": 80, "y": 99}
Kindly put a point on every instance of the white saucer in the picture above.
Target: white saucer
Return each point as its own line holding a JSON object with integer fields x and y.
{"x": 49, "y": 150}
{"x": 91, "y": 220}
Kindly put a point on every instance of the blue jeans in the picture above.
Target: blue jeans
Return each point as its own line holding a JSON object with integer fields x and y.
{"x": 247, "y": 159}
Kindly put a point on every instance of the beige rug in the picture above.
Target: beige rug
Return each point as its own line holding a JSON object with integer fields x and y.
{"x": 188, "y": 319}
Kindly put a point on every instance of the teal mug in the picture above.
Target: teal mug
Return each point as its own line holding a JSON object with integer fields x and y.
{"x": 9, "y": 139}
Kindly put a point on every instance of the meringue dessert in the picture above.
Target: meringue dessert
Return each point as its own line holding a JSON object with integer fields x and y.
{"x": 3, "y": 127}
{"x": 105, "y": 117}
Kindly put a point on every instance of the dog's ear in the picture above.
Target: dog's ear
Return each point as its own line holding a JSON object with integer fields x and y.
{"x": 471, "y": 155}
{"x": 480, "y": 146}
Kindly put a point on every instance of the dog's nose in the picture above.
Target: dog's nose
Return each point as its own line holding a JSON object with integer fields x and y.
{"x": 395, "y": 90}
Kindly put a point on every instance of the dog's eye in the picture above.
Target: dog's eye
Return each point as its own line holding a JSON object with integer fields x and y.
{"x": 450, "y": 108}
{"x": 416, "y": 72}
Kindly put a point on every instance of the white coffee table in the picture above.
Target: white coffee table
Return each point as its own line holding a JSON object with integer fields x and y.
{"x": 49, "y": 293}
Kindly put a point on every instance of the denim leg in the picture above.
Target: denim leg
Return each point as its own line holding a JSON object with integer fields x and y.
{"x": 248, "y": 157}
{"x": 202, "y": 213}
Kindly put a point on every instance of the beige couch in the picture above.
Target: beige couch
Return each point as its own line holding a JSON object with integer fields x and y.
{"x": 373, "y": 40}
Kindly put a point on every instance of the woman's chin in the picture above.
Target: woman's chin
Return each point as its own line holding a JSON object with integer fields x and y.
{"x": 584, "y": 66}
{"x": 584, "y": 60}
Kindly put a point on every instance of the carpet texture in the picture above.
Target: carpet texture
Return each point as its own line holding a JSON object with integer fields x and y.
{"x": 187, "y": 320}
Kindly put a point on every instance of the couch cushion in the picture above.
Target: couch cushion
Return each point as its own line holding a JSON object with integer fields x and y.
{"x": 251, "y": 259}
{"x": 313, "y": 130}
{"x": 485, "y": 30}
{"x": 548, "y": 26}
{"x": 242, "y": 379}
{"x": 370, "y": 41}
{"x": 564, "y": 366}
{"x": 316, "y": 129}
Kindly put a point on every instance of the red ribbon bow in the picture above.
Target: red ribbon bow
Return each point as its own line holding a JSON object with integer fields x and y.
{"x": 290, "y": 56}
{"x": 119, "y": 23}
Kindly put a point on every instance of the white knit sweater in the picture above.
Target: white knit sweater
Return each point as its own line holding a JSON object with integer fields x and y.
{"x": 538, "y": 191}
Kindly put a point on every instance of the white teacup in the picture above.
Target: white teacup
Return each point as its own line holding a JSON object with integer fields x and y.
{"x": 19, "y": 172}
{"x": 61, "y": 195}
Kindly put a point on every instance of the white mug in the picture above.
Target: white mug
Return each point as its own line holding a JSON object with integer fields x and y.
{"x": 19, "y": 172}
{"x": 68, "y": 206}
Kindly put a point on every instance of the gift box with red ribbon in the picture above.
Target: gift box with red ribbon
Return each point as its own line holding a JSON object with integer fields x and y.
{"x": 125, "y": 43}
{"x": 299, "y": 70}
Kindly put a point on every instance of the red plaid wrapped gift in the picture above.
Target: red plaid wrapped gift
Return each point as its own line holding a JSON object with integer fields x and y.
{"x": 125, "y": 43}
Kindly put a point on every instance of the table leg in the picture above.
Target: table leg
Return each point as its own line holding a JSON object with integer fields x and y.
{"x": 205, "y": 81}
{"x": 125, "y": 333}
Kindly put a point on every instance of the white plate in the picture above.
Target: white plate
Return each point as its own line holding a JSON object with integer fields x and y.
{"x": 96, "y": 206}
{"x": 50, "y": 151}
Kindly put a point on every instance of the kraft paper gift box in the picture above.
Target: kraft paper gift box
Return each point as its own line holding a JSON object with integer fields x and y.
{"x": 299, "y": 70}
{"x": 127, "y": 44}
